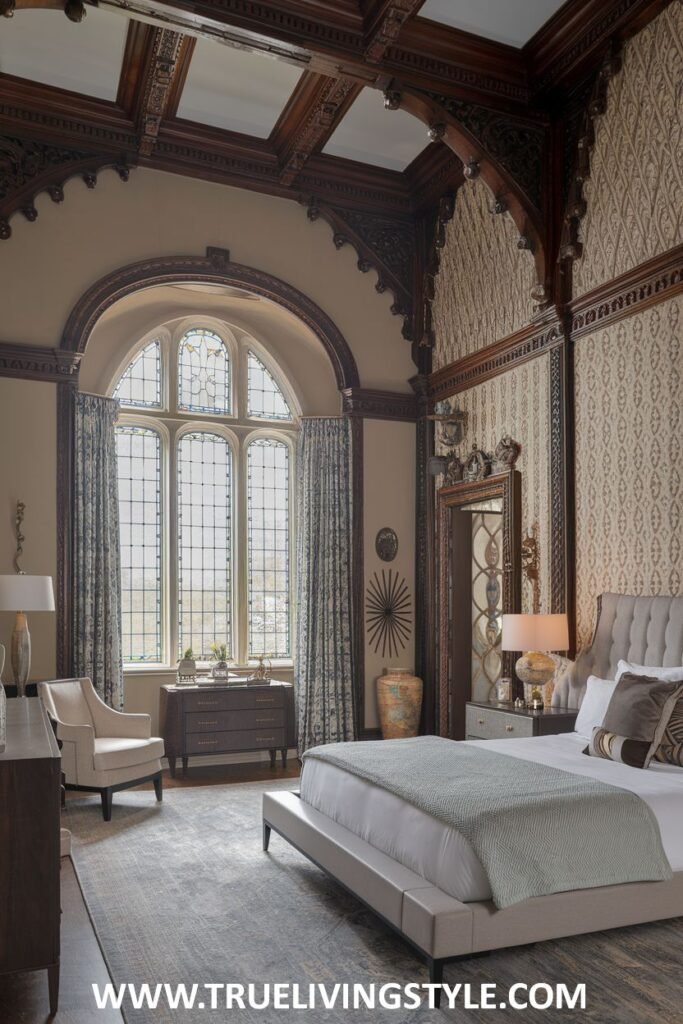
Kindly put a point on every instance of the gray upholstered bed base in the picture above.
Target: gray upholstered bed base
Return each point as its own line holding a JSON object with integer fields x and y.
{"x": 644, "y": 630}
{"x": 438, "y": 926}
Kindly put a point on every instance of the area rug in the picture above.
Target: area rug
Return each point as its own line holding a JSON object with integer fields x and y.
{"x": 181, "y": 893}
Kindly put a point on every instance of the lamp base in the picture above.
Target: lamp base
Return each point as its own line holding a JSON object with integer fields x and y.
{"x": 536, "y": 670}
{"x": 21, "y": 653}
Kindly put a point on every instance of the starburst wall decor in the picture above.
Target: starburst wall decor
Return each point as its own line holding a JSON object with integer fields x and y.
{"x": 388, "y": 612}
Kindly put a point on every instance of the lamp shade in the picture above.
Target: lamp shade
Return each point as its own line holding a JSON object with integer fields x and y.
{"x": 22, "y": 593}
{"x": 535, "y": 633}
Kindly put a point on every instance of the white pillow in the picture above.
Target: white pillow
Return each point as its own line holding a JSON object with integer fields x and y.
{"x": 594, "y": 704}
{"x": 664, "y": 675}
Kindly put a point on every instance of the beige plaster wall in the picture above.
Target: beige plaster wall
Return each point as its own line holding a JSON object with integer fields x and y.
{"x": 28, "y": 473}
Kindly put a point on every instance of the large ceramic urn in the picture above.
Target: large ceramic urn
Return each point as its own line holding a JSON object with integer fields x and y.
{"x": 399, "y": 701}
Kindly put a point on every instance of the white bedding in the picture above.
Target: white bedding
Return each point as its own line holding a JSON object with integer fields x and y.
{"x": 438, "y": 852}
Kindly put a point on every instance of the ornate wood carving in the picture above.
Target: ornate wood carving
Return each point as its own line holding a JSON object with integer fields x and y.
{"x": 383, "y": 22}
{"x": 28, "y": 168}
{"x": 388, "y": 245}
{"x": 425, "y": 557}
{"x": 444, "y": 215}
{"x": 561, "y": 493}
{"x": 379, "y": 405}
{"x": 216, "y": 267}
{"x": 570, "y": 246}
{"x": 544, "y": 333}
{"x": 167, "y": 60}
{"x": 34, "y": 362}
{"x": 311, "y": 116}
{"x": 655, "y": 281}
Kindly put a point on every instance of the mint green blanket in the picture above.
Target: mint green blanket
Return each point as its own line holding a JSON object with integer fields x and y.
{"x": 536, "y": 830}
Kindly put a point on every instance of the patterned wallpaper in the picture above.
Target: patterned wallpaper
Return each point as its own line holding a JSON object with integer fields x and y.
{"x": 483, "y": 289}
{"x": 629, "y": 423}
{"x": 635, "y": 190}
{"x": 517, "y": 403}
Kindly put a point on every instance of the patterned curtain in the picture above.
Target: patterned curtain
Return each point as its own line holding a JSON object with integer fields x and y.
{"x": 324, "y": 655}
{"x": 96, "y": 564}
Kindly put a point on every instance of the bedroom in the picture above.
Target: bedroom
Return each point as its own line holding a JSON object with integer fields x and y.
{"x": 330, "y": 335}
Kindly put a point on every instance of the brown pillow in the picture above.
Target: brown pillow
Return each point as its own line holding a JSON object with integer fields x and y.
{"x": 636, "y": 720}
{"x": 670, "y": 749}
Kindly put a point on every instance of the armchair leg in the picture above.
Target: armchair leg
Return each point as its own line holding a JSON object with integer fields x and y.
{"x": 159, "y": 787}
{"x": 106, "y": 804}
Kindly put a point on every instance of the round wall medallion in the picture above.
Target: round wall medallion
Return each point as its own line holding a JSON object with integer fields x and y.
{"x": 386, "y": 544}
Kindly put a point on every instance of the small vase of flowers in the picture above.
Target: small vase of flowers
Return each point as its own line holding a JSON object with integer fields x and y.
{"x": 219, "y": 655}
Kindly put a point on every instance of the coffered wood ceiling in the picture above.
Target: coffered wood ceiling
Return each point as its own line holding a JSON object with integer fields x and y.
{"x": 506, "y": 21}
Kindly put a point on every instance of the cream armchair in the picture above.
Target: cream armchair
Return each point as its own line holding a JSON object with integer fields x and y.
{"x": 102, "y": 750}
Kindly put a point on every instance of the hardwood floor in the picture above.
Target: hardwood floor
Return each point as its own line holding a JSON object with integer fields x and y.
{"x": 23, "y": 997}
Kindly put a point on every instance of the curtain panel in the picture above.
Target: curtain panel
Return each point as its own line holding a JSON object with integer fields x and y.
{"x": 96, "y": 563}
{"x": 325, "y": 641}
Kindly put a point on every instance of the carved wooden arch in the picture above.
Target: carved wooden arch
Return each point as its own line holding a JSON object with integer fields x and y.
{"x": 477, "y": 161}
{"x": 214, "y": 268}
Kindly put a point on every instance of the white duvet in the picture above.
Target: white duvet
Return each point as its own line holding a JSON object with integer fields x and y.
{"x": 438, "y": 852}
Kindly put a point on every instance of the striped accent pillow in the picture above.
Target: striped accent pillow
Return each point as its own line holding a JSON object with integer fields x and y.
{"x": 636, "y": 753}
{"x": 670, "y": 749}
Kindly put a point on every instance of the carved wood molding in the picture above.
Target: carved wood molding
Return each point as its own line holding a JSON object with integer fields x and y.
{"x": 35, "y": 362}
{"x": 371, "y": 404}
{"x": 28, "y": 168}
{"x": 383, "y": 22}
{"x": 215, "y": 267}
{"x": 315, "y": 109}
{"x": 444, "y": 215}
{"x": 387, "y": 244}
{"x": 166, "y": 62}
{"x": 655, "y": 281}
{"x": 570, "y": 247}
{"x": 543, "y": 334}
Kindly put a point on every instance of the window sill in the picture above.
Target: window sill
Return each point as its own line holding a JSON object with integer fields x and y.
{"x": 166, "y": 670}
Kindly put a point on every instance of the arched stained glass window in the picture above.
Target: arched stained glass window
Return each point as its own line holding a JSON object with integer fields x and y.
{"x": 268, "y": 547}
{"x": 140, "y": 384}
{"x": 138, "y": 452}
{"x": 264, "y": 397}
{"x": 204, "y": 543}
{"x": 203, "y": 373}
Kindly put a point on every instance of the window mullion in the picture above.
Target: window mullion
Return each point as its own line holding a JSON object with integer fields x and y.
{"x": 241, "y": 559}
{"x": 171, "y": 563}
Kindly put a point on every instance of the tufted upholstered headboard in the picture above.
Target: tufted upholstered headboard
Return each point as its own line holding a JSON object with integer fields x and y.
{"x": 645, "y": 630}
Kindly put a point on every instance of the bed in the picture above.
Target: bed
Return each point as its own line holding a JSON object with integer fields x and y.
{"x": 423, "y": 877}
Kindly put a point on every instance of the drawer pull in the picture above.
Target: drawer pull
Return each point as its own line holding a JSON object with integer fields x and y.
{"x": 265, "y": 721}
{"x": 265, "y": 739}
{"x": 480, "y": 721}
{"x": 207, "y": 743}
{"x": 509, "y": 728}
{"x": 207, "y": 703}
{"x": 210, "y": 721}
{"x": 265, "y": 700}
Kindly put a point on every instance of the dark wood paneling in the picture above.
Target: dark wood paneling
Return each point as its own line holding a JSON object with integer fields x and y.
{"x": 379, "y": 405}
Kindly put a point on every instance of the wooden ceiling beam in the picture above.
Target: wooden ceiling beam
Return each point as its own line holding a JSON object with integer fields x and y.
{"x": 383, "y": 21}
{"x": 159, "y": 78}
{"x": 315, "y": 109}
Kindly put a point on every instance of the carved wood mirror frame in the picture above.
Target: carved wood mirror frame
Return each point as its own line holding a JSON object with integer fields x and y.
{"x": 507, "y": 488}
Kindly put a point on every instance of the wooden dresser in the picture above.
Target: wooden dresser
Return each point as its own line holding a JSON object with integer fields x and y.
{"x": 503, "y": 721}
{"x": 30, "y": 792}
{"x": 197, "y": 720}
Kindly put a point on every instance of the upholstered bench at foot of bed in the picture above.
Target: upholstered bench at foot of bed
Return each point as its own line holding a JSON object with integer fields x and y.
{"x": 440, "y": 927}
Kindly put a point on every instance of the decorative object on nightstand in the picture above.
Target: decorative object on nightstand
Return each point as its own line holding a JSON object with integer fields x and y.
{"x": 399, "y": 702}
{"x": 504, "y": 690}
{"x": 536, "y": 635}
{"x": 21, "y": 594}
{"x": 187, "y": 667}
{"x": 219, "y": 654}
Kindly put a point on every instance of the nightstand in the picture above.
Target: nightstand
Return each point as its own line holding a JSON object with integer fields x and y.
{"x": 503, "y": 721}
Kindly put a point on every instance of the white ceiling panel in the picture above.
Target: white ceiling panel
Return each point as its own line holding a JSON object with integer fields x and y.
{"x": 373, "y": 135}
{"x": 45, "y": 46}
{"x": 234, "y": 89}
{"x": 506, "y": 21}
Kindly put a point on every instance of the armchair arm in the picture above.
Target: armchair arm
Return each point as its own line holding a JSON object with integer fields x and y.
{"x": 81, "y": 735}
{"x": 109, "y": 722}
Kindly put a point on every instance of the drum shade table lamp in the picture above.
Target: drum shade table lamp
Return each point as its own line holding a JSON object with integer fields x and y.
{"x": 535, "y": 635}
{"x": 22, "y": 593}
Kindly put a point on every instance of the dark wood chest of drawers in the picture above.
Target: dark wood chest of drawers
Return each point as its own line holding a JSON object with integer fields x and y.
{"x": 226, "y": 720}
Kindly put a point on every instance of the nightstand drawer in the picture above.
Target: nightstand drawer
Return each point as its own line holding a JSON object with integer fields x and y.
{"x": 266, "y": 738}
{"x": 226, "y": 721}
{"x": 492, "y": 724}
{"x": 239, "y": 699}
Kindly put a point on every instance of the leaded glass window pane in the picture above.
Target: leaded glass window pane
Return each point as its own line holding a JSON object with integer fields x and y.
{"x": 139, "y": 478}
{"x": 140, "y": 384}
{"x": 268, "y": 547}
{"x": 264, "y": 398}
{"x": 204, "y": 542}
{"x": 203, "y": 373}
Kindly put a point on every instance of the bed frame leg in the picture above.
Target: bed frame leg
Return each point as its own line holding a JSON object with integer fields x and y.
{"x": 436, "y": 978}
{"x": 266, "y": 836}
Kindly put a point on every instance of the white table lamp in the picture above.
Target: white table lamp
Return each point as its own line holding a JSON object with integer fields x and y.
{"x": 534, "y": 635}
{"x": 22, "y": 593}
